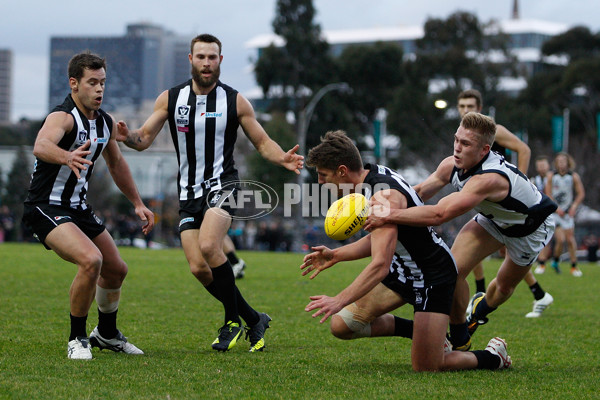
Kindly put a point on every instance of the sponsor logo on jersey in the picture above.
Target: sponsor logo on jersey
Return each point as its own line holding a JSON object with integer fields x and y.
{"x": 211, "y": 115}
{"x": 101, "y": 140}
{"x": 186, "y": 220}
{"x": 58, "y": 218}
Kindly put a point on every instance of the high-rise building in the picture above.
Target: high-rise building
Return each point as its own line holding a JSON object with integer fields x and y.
{"x": 5, "y": 84}
{"x": 140, "y": 65}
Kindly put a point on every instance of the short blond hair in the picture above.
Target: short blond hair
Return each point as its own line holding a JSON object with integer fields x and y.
{"x": 481, "y": 124}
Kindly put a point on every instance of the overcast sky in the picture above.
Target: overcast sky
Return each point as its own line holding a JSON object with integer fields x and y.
{"x": 27, "y": 27}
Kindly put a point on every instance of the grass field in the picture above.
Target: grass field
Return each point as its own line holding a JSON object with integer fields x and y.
{"x": 166, "y": 312}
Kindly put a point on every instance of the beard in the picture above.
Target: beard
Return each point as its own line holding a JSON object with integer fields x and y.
{"x": 205, "y": 81}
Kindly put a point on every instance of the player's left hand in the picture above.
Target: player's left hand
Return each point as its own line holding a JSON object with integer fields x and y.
{"x": 377, "y": 217}
{"x": 326, "y": 305}
{"x": 147, "y": 217}
{"x": 292, "y": 161}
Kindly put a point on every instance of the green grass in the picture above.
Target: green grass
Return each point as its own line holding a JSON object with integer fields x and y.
{"x": 166, "y": 312}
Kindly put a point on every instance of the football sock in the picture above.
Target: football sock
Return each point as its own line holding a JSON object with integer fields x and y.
{"x": 482, "y": 309}
{"x": 107, "y": 324}
{"x": 480, "y": 285}
{"x": 573, "y": 265}
{"x": 537, "y": 291}
{"x": 225, "y": 283}
{"x": 248, "y": 313}
{"x": 232, "y": 258}
{"x": 486, "y": 360}
{"x": 403, "y": 327}
{"x": 459, "y": 334}
{"x": 77, "y": 327}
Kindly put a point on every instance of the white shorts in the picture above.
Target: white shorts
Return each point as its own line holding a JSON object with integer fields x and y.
{"x": 524, "y": 250}
{"x": 564, "y": 222}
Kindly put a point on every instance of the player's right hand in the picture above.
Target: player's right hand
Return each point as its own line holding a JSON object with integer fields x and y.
{"x": 320, "y": 259}
{"x": 76, "y": 160}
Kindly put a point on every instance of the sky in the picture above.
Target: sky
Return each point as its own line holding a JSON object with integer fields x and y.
{"x": 27, "y": 27}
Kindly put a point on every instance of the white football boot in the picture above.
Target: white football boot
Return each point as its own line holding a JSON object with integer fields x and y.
{"x": 540, "y": 305}
{"x": 117, "y": 344}
{"x": 79, "y": 349}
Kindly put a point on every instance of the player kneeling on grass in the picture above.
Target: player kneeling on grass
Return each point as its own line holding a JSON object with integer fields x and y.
{"x": 409, "y": 265}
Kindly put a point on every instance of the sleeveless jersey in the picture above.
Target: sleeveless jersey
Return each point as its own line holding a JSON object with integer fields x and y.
{"x": 524, "y": 208}
{"x": 56, "y": 184}
{"x": 204, "y": 131}
{"x": 421, "y": 257}
{"x": 562, "y": 189}
{"x": 540, "y": 182}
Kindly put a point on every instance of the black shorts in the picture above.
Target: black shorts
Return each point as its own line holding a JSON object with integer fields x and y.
{"x": 43, "y": 218}
{"x": 191, "y": 212}
{"x": 434, "y": 298}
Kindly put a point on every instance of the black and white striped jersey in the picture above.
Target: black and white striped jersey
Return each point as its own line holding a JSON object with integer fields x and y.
{"x": 563, "y": 189}
{"x": 421, "y": 258}
{"x": 540, "y": 182}
{"x": 522, "y": 211}
{"x": 204, "y": 131}
{"x": 56, "y": 184}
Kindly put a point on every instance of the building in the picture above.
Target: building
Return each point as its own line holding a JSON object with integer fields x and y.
{"x": 140, "y": 65}
{"x": 5, "y": 85}
{"x": 526, "y": 37}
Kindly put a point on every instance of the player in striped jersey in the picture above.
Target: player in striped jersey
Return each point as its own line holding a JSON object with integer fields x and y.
{"x": 71, "y": 139}
{"x": 471, "y": 100}
{"x": 511, "y": 213}
{"x": 408, "y": 265}
{"x": 204, "y": 115}
{"x": 542, "y": 167}
{"x": 565, "y": 187}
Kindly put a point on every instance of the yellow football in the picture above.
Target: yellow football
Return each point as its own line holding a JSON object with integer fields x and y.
{"x": 346, "y": 216}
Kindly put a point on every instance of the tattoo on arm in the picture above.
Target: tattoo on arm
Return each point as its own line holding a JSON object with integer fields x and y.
{"x": 133, "y": 139}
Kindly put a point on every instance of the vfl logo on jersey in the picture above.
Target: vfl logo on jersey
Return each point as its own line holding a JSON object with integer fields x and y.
{"x": 211, "y": 115}
{"x": 82, "y": 136}
{"x": 183, "y": 115}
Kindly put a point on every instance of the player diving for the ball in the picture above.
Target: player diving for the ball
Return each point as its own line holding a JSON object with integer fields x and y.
{"x": 408, "y": 265}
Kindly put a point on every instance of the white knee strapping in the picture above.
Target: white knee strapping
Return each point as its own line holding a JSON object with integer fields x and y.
{"x": 107, "y": 299}
{"x": 359, "y": 329}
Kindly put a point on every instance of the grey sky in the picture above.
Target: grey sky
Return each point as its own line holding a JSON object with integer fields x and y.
{"x": 26, "y": 29}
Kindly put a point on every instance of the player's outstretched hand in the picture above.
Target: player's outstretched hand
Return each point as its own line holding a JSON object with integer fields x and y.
{"x": 320, "y": 259}
{"x": 122, "y": 131}
{"x": 326, "y": 305}
{"x": 292, "y": 161}
{"x": 76, "y": 160}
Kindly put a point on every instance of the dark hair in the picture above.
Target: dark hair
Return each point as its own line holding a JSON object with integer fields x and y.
{"x": 205, "y": 38}
{"x": 542, "y": 157}
{"x": 335, "y": 149}
{"x": 471, "y": 94}
{"x": 482, "y": 124}
{"x": 82, "y": 61}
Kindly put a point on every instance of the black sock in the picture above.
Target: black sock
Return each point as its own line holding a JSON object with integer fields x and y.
{"x": 537, "y": 291}
{"x": 459, "y": 334}
{"x": 480, "y": 285}
{"x": 486, "y": 360}
{"x": 248, "y": 313}
{"x": 482, "y": 309}
{"x": 213, "y": 289}
{"x": 573, "y": 265}
{"x": 107, "y": 324}
{"x": 403, "y": 327}
{"x": 78, "y": 327}
{"x": 224, "y": 281}
{"x": 556, "y": 259}
{"x": 232, "y": 258}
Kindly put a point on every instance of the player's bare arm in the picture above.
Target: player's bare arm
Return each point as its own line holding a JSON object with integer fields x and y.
{"x": 492, "y": 187}
{"x": 579, "y": 194}
{"x": 267, "y": 147}
{"x": 140, "y": 139}
{"x": 46, "y": 144}
{"x": 322, "y": 257}
{"x": 437, "y": 180}
{"x": 510, "y": 141}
